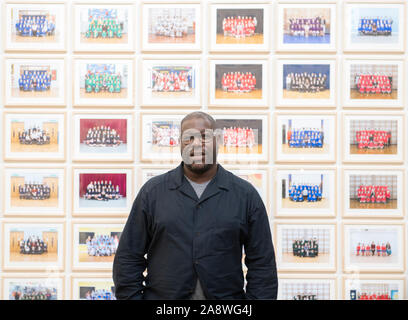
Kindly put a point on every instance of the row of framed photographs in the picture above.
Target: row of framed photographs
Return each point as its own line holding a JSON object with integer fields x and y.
{"x": 301, "y": 82}
{"x": 291, "y": 287}
{"x": 308, "y": 287}
{"x": 299, "y": 137}
{"x": 105, "y": 27}
{"x": 41, "y": 245}
{"x": 301, "y": 246}
{"x": 296, "y": 192}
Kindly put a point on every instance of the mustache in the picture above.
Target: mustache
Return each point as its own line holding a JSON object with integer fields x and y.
{"x": 197, "y": 150}
{"x": 190, "y": 152}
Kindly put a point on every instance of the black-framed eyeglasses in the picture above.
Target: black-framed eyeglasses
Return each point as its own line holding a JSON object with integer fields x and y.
{"x": 205, "y": 136}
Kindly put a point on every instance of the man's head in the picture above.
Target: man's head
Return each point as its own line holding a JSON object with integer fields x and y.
{"x": 198, "y": 141}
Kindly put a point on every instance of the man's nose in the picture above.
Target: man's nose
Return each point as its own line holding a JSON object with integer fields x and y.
{"x": 197, "y": 141}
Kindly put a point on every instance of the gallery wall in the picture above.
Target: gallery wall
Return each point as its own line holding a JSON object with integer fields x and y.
{"x": 148, "y": 110}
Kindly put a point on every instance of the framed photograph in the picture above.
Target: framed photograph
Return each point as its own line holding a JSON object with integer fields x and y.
{"x": 102, "y": 191}
{"x": 373, "y": 192}
{"x": 103, "y": 136}
{"x": 374, "y": 26}
{"x": 307, "y": 27}
{"x": 373, "y": 288}
{"x": 239, "y": 27}
{"x": 35, "y": 27}
{"x": 373, "y": 247}
{"x": 258, "y": 177}
{"x": 373, "y": 83}
{"x": 160, "y": 137}
{"x": 33, "y": 245}
{"x": 91, "y": 287}
{"x": 374, "y": 137}
{"x": 34, "y": 136}
{"x": 306, "y": 287}
{"x": 244, "y": 137}
{"x": 33, "y": 287}
{"x": 238, "y": 83}
{"x": 35, "y": 82}
{"x": 306, "y": 82}
{"x": 104, "y": 27}
{"x": 172, "y": 83}
{"x": 171, "y": 26}
{"x": 305, "y": 192}
{"x": 95, "y": 244}
{"x": 34, "y": 191}
{"x": 305, "y": 246}
{"x": 305, "y": 137}
{"x": 103, "y": 82}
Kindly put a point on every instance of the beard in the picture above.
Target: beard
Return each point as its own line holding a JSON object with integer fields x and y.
{"x": 202, "y": 165}
{"x": 198, "y": 168}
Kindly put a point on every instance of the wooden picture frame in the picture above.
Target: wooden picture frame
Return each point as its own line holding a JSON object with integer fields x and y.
{"x": 359, "y": 70}
{"x": 122, "y": 35}
{"x": 185, "y": 90}
{"x": 254, "y": 94}
{"x": 313, "y": 287}
{"x": 291, "y": 37}
{"x": 93, "y": 262}
{"x": 45, "y": 281}
{"x": 114, "y": 204}
{"x": 50, "y": 37}
{"x": 22, "y": 86}
{"x": 255, "y": 38}
{"x": 304, "y": 143}
{"x": 53, "y": 258}
{"x": 91, "y": 280}
{"x": 318, "y": 202}
{"x": 323, "y": 231}
{"x": 391, "y": 232}
{"x": 323, "y": 94}
{"x": 377, "y": 137}
{"x": 120, "y": 92}
{"x": 43, "y": 193}
{"x": 117, "y": 150}
{"x": 373, "y": 286}
{"x": 188, "y": 39}
{"x": 373, "y": 192}
{"x": 362, "y": 38}
{"x": 49, "y": 144}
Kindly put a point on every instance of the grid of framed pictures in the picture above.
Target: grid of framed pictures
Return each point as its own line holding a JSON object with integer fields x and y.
{"x": 310, "y": 97}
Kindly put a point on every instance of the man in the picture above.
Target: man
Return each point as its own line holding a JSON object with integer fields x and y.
{"x": 193, "y": 222}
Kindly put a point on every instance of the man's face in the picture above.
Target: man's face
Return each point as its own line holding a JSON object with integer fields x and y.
{"x": 198, "y": 145}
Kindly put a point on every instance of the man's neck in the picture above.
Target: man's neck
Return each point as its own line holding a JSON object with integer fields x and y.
{"x": 201, "y": 177}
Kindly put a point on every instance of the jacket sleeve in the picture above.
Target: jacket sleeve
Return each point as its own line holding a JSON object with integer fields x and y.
{"x": 130, "y": 263}
{"x": 262, "y": 280}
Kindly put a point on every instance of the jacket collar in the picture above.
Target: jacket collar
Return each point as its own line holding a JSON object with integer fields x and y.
{"x": 176, "y": 177}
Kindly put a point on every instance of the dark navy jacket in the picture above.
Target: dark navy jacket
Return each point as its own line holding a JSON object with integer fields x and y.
{"x": 185, "y": 237}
